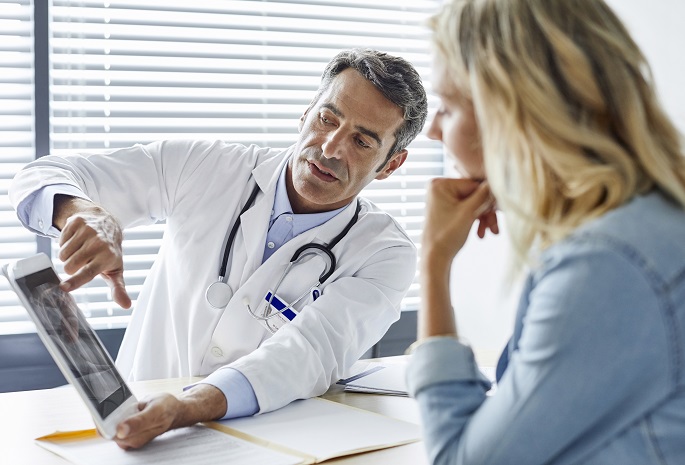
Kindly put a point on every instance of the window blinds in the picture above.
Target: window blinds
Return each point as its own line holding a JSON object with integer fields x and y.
{"x": 128, "y": 71}
{"x": 16, "y": 139}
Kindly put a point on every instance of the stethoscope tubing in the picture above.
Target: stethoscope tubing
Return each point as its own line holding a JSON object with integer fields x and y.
{"x": 234, "y": 231}
{"x": 300, "y": 252}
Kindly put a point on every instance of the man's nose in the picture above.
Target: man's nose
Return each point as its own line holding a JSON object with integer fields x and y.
{"x": 334, "y": 145}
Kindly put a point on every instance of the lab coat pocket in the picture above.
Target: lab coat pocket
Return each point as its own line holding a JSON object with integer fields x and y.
{"x": 274, "y": 312}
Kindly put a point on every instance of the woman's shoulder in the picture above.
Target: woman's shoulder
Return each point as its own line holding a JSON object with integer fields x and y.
{"x": 648, "y": 232}
{"x": 653, "y": 211}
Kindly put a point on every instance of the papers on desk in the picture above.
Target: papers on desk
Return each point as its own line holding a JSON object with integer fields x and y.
{"x": 389, "y": 380}
{"x": 304, "y": 432}
{"x": 196, "y": 444}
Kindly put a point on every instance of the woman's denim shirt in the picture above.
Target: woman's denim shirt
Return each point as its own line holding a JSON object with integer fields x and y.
{"x": 594, "y": 372}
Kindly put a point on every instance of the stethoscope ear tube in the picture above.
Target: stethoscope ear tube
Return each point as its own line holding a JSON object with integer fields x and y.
{"x": 219, "y": 293}
{"x": 328, "y": 249}
{"x": 328, "y": 272}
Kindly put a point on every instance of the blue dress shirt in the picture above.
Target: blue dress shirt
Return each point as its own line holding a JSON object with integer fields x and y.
{"x": 35, "y": 210}
{"x": 284, "y": 224}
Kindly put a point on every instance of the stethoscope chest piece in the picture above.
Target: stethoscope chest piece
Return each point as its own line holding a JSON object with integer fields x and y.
{"x": 219, "y": 294}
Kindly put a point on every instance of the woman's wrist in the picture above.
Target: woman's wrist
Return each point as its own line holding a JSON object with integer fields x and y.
{"x": 436, "y": 262}
{"x": 425, "y": 340}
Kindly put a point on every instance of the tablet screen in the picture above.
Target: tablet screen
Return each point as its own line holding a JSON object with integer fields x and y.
{"x": 73, "y": 337}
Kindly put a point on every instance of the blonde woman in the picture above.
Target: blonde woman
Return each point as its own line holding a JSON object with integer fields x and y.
{"x": 548, "y": 110}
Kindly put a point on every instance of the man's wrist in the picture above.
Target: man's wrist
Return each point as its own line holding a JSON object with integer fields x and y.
{"x": 66, "y": 206}
{"x": 202, "y": 402}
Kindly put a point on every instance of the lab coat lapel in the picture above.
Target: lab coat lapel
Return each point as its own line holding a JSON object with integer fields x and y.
{"x": 255, "y": 221}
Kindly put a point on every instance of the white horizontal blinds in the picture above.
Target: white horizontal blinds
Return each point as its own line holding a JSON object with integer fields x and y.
{"x": 126, "y": 72}
{"x": 16, "y": 142}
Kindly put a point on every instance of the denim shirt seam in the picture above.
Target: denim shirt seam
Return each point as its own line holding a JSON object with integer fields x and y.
{"x": 653, "y": 442}
{"x": 660, "y": 286}
{"x": 680, "y": 277}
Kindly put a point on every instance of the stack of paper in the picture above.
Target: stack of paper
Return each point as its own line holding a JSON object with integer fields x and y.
{"x": 389, "y": 380}
{"x": 319, "y": 430}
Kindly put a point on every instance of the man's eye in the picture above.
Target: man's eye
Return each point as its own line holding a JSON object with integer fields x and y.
{"x": 363, "y": 144}
{"x": 324, "y": 119}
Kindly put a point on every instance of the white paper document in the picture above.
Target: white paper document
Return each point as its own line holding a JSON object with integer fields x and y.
{"x": 389, "y": 380}
{"x": 185, "y": 446}
{"x": 323, "y": 429}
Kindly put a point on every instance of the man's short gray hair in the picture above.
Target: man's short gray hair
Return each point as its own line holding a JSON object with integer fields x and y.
{"x": 396, "y": 78}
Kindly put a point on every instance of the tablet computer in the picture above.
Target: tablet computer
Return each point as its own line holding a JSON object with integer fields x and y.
{"x": 72, "y": 343}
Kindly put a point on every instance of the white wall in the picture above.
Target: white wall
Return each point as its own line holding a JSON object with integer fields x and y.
{"x": 658, "y": 28}
{"x": 482, "y": 300}
{"x": 484, "y": 312}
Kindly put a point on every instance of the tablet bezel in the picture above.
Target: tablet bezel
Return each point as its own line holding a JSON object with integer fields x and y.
{"x": 39, "y": 264}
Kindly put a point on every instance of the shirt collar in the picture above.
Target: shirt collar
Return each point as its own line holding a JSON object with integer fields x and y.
{"x": 301, "y": 222}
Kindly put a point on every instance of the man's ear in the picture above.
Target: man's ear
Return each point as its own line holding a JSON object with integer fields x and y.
{"x": 395, "y": 162}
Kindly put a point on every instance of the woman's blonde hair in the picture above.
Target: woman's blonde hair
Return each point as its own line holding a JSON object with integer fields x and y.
{"x": 570, "y": 123}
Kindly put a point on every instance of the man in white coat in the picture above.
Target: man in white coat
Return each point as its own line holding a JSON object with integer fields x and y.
{"x": 235, "y": 217}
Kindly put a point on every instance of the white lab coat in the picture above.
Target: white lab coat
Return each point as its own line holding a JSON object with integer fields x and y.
{"x": 199, "y": 187}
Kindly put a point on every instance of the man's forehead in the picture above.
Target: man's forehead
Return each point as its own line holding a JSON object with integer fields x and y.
{"x": 350, "y": 95}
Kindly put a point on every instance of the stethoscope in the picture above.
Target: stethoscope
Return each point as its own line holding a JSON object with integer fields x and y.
{"x": 219, "y": 293}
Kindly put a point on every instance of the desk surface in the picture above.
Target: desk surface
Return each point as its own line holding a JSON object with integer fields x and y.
{"x": 27, "y": 415}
